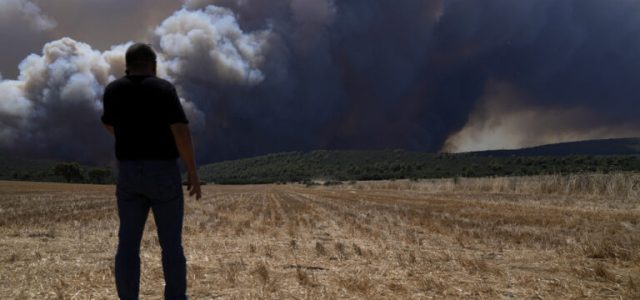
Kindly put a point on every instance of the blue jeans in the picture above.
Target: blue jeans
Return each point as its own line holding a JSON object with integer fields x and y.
{"x": 155, "y": 185}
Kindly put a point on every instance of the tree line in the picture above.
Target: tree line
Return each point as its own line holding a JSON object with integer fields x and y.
{"x": 70, "y": 172}
{"x": 338, "y": 166}
{"x": 400, "y": 164}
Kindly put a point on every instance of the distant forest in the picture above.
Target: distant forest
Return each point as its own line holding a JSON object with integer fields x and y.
{"x": 599, "y": 156}
{"x": 16, "y": 168}
{"x": 398, "y": 164}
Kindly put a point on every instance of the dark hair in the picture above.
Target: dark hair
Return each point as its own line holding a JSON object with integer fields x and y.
{"x": 139, "y": 55}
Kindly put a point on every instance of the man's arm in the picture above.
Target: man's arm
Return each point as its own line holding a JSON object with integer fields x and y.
{"x": 182, "y": 136}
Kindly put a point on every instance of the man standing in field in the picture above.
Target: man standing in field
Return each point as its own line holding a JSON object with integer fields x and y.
{"x": 144, "y": 114}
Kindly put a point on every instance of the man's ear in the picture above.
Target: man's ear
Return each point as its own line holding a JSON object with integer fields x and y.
{"x": 126, "y": 71}
{"x": 155, "y": 68}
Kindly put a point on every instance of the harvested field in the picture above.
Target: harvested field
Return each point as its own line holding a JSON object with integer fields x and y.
{"x": 491, "y": 239}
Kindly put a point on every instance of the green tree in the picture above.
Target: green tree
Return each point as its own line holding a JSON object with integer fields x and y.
{"x": 99, "y": 175}
{"x": 71, "y": 172}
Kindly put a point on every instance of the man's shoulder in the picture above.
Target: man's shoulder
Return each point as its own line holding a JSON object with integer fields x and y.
{"x": 114, "y": 84}
{"x": 153, "y": 81}
{"x": 159, "y": 83}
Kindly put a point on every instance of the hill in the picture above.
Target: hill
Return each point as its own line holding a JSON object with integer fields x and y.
{"x": 575, "y": 157}
{"x": 589, "y": 156}
{"x": 626, "y": 146}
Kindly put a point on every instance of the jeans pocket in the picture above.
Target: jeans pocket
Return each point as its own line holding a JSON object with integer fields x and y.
{"x": 128, "y": 182}
{"x": 165, "y": 187}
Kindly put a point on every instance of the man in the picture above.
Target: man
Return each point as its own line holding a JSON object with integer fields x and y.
{"x": 144, "y": 114}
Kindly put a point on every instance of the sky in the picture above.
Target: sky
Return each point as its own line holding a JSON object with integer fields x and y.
{"x": 258, "y": 76}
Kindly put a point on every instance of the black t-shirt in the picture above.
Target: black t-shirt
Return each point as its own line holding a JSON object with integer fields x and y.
{"x": 141, "y": 110}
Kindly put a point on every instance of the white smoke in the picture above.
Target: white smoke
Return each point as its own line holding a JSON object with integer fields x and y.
{"x": 56, "y": 100}
{"x": 208, "y": 45}
{"x": 501, "y": 122}
{"x": 52, "y": 109}
{"x": 27, "y": 11}
{"x": 53, "y": 101}
{"x": 55, "y": 92}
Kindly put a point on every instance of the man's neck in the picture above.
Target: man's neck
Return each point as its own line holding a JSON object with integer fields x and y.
{"x": 140, "y": 74}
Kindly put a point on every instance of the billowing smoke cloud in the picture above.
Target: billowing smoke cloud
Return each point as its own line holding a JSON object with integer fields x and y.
{"x": 103, "y": 23}
{"x": 208, "y": 46}
{"x": 56, "y": 94}
{"x": 26, "y": 25}
{"x": 565, "y": 70}
{"x": 265, "y": 76}
{"x": 53, "y": 108}
{"x": 503, "y": 121}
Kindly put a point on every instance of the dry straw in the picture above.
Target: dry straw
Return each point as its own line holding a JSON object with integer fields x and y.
{"x": 543, "y": 237}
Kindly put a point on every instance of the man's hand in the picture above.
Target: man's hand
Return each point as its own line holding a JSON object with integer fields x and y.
{"x": 193, "y": 185}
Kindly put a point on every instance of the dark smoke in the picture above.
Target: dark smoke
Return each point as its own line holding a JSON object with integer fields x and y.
{"x": 281, "y": 75}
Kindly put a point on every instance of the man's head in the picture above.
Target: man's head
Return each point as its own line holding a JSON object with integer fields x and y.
{"x": 141, "y": 60}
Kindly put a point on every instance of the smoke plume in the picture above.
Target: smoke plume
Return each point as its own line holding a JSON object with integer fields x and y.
{"x": 52, "y": 109}
{"x": 27, "y": 12}
{"x": 23, "y": 29}
{"x": 208, "y": 46}
{"x": 263, "y": 76}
